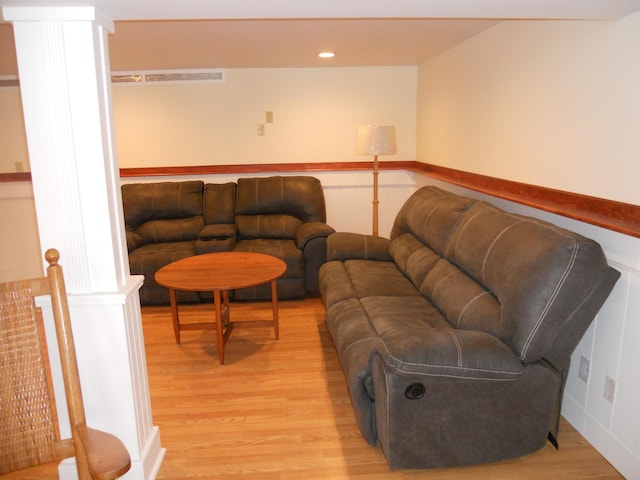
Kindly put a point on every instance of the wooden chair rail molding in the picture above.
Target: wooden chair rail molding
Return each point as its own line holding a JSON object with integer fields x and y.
{"x": 617, "y": 216}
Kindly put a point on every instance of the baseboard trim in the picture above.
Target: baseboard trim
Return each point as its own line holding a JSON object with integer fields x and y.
{"x": 601, "y": 439}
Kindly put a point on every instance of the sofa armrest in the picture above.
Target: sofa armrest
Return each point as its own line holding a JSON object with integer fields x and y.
{"x": 310, "y": 230}
{"x": 214, "y": 231}
{"x": 216, "y": 237}
{"x": 345, "y": 246}
{"x": 133, "y": 241}
{"x": 214, "y": 245}
{"x": 444, "y": 352}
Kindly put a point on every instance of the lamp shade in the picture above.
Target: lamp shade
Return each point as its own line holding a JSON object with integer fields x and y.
{"x": 376, "y": 140}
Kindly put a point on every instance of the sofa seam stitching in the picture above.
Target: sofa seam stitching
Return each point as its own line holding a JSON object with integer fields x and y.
{"x": 547, "y": 307}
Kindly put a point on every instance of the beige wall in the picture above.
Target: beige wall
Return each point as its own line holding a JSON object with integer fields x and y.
{"x": 13, "y": 141}
{"x": 316, "y": 114}
{"x": 548, "y": 103}
{"x": 20, "y": 255}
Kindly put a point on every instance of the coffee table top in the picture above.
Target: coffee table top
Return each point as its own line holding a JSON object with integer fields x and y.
{"x": 220, "y": 271}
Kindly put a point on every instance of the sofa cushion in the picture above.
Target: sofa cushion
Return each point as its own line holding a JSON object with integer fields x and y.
{"x": 291, "y": 284}
{"x": 335, "y": 285}
{"x": 413, "y": 258}
{"x": 148, "y": 259}
{"x": 267, "y": 226}
{"x": 299, "y": 196}
{"x": 354, "y": 337}
{"x": 219, "y": 203}
{"x": 164, "y": 200}
{"x": 538, "y": 272}
{"x": 390, "y": 313}
{"x": 448, "y": 352}
{"x": 372, "y": 278}
{"x": 285, "y": 250}
{"x": 465, "y": 303}
{"x": 431, "y": 216}
{"x": 176, "y": 230}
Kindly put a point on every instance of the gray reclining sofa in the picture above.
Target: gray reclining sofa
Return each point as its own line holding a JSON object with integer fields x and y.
{"x": 455, "y": 334}
{"x": 281, "y": 216}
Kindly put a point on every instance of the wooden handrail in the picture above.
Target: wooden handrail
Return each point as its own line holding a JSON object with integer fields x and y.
{"x": 15, "y": 177}
{"x": 612, "y": 215}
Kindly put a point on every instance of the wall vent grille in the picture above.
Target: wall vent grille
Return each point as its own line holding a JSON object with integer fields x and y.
{"x": 149, "y": 77}
{"x": 164, "y": 77}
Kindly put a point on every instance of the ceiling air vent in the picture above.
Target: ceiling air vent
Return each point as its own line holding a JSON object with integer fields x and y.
{"x": 168, "y": 77}
{"x": 126, "y": 78}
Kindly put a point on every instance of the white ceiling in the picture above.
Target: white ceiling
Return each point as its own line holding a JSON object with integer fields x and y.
{"x": 163, "y": 34}
{"x": 227, "y": 9}
{"x": 284, "y": 43}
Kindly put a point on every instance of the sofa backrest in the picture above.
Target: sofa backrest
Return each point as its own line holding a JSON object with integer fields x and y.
{"x": 273, "y": 207}
{"x": 523, "y": 280}
{"x": 431, "y": 215}
{"x": 219, "y": 203}
{"x": 163, "y": 211}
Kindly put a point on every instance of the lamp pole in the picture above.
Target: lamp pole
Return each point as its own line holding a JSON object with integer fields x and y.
{"x": 376, "y": 140}
{"x": 375, "y": 195}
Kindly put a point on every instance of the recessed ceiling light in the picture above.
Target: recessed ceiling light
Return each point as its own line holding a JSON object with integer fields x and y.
{"x": 326, "y": 54}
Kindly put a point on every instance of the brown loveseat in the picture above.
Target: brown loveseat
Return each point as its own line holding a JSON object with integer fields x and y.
{"x": 281, "y": 216}
{"x": 455, "y": 334}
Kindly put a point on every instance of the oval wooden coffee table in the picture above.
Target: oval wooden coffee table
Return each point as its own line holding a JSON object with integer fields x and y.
{"x": 219, "y": 273}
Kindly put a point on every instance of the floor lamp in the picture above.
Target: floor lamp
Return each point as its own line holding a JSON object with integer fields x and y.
{"x": 376, "y": 140}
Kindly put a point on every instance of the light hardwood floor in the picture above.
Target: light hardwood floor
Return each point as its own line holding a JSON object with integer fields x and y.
{"x": 281, "y": 410}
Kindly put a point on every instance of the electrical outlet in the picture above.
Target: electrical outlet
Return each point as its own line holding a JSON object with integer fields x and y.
{"x": 269, "y": 117}
{"x": 261, "y": 129}
{"x": 583, "y": 369}
{"x": 609, "y": 388}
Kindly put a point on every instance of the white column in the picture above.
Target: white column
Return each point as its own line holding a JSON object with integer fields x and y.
{"x": 63, "y": 64}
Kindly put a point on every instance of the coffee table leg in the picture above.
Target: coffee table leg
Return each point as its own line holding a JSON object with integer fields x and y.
{"x": 274, "y": 303}
{"x": 226, "y": 310}
{"x": 174, "y": 314}
{"x": 217, "y": 301}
